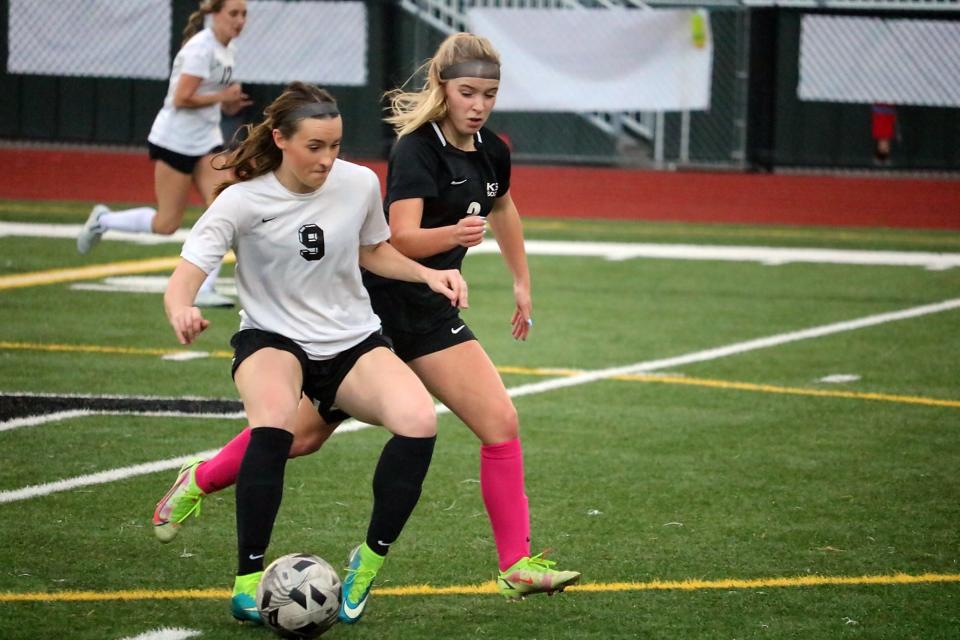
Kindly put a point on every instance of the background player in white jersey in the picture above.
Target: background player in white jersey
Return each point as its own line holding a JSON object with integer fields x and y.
{"x": 302, "y": 223}
{"x": 186, "y": 132}
{"x": 447, "y": 174}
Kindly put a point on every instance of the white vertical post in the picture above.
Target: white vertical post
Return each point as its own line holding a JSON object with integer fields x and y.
{"x": 658, "y": 140}
{"x": 684, "y": 137}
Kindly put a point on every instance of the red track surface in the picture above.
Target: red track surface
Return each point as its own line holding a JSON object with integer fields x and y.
{"x": 567, "y": 192}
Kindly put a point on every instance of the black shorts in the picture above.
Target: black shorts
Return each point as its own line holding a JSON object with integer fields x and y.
{"x": 410, "y": 346}
{"x": 178, "y": 161}
{"x": 321, "y": 378}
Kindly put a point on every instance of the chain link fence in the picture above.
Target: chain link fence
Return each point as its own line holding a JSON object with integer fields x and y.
{"x": 107, "y": 38}
{"x": 96, "y": 72}
{"x": 715, "y": 135}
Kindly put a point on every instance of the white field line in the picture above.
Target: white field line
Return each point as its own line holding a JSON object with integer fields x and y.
{"x": 736, "y": 348}
{"x": 734, "y": 253}
{"x": 123, "y": 473}
{"x": 608, "y": 250}
{"x": 99, "y": 396}
{"x": 102, "y": 477}
{"x": 33, "y": 421}
{"x": 166, "y": 633}
{"x": 41, "y": 230}
{"x": 529, "y": 389}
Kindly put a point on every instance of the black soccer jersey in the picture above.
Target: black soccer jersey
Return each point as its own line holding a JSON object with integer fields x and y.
{"x": 453, "y": 184}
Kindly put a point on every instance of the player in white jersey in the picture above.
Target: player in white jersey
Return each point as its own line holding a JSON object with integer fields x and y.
{"x": 186, "y": 133}
{"x": 302, "y": 223}
{"x": 448, "y": 177}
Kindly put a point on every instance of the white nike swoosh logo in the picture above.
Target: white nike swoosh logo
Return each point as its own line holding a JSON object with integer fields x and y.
{"x": 458, "y": 181}
{"x": 458, "y": 329}
{"x": 385, "y": 544}
{"x": 253, "y": 557}
{"x": 353, "y": 612}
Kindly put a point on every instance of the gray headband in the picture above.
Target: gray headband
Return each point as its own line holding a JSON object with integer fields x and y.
{"x": 314, "y": 110}
{"x": 472, "y": 69}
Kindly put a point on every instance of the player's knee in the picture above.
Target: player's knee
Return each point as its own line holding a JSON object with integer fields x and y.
{"x": 506, "y": 417}
{"x": 306, "y": 443}
{"x": 278, "y": 416}
{"x": 165, "y": 227}
{"x": 417, "y": 420}
{"x": 500, "y": 424}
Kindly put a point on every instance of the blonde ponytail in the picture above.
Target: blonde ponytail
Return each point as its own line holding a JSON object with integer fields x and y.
{"x": 409, "y": 110}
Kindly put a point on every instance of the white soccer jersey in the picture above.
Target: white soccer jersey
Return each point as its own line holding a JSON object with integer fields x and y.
{"x": 298, "y": 271}
{"x": 194, "y": 132}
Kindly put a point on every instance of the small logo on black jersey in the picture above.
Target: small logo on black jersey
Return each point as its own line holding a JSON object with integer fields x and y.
{"x": 492, "y": 188}
{"x": 458, "y": 182}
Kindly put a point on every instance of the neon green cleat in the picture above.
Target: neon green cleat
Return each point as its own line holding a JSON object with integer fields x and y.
{"x": 534, "y": 575}
{"x": 362, "y": 567}
{"x": 182, "y": 500}
{"x": 243, "y": 603}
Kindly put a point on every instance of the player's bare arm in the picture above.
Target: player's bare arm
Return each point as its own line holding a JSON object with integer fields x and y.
{"x": 186, "y": 96}
{"x": 185, "y": 319}
{"x": 413, "y": 241}
{"x": 508, "y": 230}
{"x": 384, "y": 260}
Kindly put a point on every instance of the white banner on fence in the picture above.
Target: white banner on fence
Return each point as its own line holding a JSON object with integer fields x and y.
{"x": 867, "y": 60}
{"x": 319, "y": 42}
{"x": 107, "y": 38}
{"x": 599, "y": 59}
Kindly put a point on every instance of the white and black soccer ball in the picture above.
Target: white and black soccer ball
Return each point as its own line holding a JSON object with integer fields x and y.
{"x": 299, "y": 596}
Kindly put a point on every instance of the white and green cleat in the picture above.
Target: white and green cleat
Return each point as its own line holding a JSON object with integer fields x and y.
{"x": 362, "y": 567}
{"x": 531, "y": 575}
{"x": 243, "y": 602}
{"x": 182, "y": 501}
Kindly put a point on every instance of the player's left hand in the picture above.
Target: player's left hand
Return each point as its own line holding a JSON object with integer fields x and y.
{"x": 450, "y": 283}
{"x": 522, "y": 320}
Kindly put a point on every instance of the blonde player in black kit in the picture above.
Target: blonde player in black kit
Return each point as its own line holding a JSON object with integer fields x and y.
{"x": 302, "y": 223}
{"x": 448, "y": 178}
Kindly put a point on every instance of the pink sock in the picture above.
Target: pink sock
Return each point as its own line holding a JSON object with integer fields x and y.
{"x": 220, "y": 471}
{"x": 501, "y": 483}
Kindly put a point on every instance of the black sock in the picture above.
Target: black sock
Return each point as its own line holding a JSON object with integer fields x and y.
{"x": 396, "y": 488}
{"x": 259, "y": 492}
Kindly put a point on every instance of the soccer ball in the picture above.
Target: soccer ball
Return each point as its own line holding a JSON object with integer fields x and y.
{"x": 299, "y": 596}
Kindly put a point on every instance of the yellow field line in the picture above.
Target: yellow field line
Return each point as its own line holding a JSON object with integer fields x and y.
{"x": 489, "y": 588}
{"x": 94, "y": 271}
{"x": 798, "y": 391}
{"x": 93, "y": 348}
{"x": 748, "y": 386}
{"x": 545, "y": 372}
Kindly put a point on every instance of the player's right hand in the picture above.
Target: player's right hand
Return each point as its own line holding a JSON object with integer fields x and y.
{"x": 450, "y": 283}
{"x": 233, "y": 93}
{"x": 188, "y": 323}
{"x": 468, "y": 232}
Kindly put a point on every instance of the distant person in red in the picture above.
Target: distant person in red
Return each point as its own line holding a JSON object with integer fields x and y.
{"x": 883, "y": 127}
